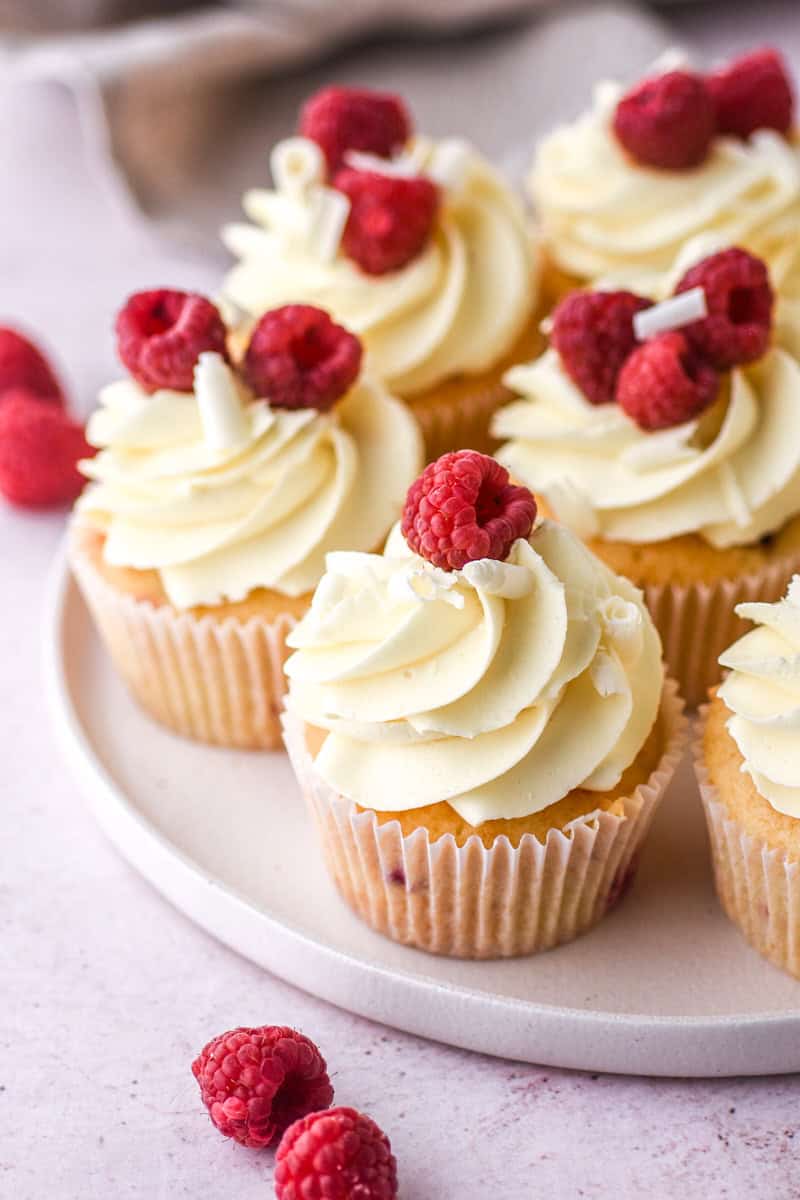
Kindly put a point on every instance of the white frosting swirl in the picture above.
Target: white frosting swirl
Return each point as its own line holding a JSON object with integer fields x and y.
{"x": 221, "y": 502}
{"x": 458, "y": 307}
{"x": 606, "y": 477}
{"x": 763, "y": 693}
{"x": 499, "y": 688}
{"x": 608, "y": 218}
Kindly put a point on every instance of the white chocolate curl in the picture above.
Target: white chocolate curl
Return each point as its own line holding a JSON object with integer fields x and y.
{"x": 297, "y": 165}
{"x": 403, "y": 166}
{"x": 508, "y": 580}
{"x": 449, "y": 163}
{"x": 328, "y": 215}
{"x": 670, "y": 314}
{"x": 219, "y": 402}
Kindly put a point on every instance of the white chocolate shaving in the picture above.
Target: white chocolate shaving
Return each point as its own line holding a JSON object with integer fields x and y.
{"x": 508, "y": 580}
{"x": 425, "y": 584}
{"x": 297, "y": 164}
{"x": 670, "y": 314}
{"x": 449, "y": 163}
{"x": 622, "y": 623}
{"x": 328, "y": 215}
{"x": 402, "y": 166}
{"x": 221, "y": 410}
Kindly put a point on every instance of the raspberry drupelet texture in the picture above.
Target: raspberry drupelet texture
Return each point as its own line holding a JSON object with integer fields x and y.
{"x": 463, "y": 508}
{"x": 667, "y": 121}
{"x": 752, "y": 92}
{"x": 665, "y": 382}
{"x": 256, "y": 1082}
{"x": 739, "y": 300}
{"x": 339, "y": 119}
{"x": 299, "y": 358}
{"x": 391, "y": 218}
{"x": 336, "y": 1155}
{"x": 593, "y": 334}
{"x": 162, "y": 333}
{"x": 22, "y": 365}
{"x": 40, "y": 447}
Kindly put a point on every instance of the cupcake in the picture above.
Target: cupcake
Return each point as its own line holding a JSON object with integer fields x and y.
{"x": 418, "y": 246}
{"x": 671, "y": 451}
{"x": 217, "y": 491}
{"x": 479, "y": 721}
{"x": 748, "y": 767}
{"x": 653, "y": 179}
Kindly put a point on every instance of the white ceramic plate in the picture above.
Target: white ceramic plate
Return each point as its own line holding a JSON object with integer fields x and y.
{"x": 664, "y": 986}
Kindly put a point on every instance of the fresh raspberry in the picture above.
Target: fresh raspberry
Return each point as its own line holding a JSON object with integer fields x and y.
{"x": 664, "y": 383}
{"x": 161, "y": 334}
{"x": 299, "y": 358}
{"x": 667, "y": 121}
{"x": 256, "y": 1082}
{"x": 593, "y": 334}
{"x": 391, "y": 218}
{"x": 339, "y": 119}
{"x": 336, "y": 1155}
{"x": 22, "y": 365}
{"x": 463, "y": 508}
{"x": 739, "y": 300}
{"x": 39, "y": 451}
{"x": 753, "y": 92}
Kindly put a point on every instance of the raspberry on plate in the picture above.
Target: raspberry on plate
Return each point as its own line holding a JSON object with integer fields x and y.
{"x": 22, "y": 365}
{"x": 162, "y": 333}
{"x": 665, "y": 383}
{"x": 753, "y": 92}
{"x": 340, "y": 1154}
{"x": 40, "y": 447}
{"x": 667, "y": 121}
{"x": 339, "y": 119}
{"x": 593, "y": 334}
{"x": 299, "y": 358}
{"x": 256, "y": 1082}
{"x": 739, "y": 301}
{"x": 463, "y": 508}
{"x": 391, "y": 218}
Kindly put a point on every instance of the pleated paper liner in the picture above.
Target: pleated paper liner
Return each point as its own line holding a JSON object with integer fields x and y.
{"x": 219, "y": 681}
{"x": 474, "y": 902}
{"x": 758, "y": 885}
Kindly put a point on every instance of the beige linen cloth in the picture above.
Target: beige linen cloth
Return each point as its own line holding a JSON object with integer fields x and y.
{"x": 181, "y": 109}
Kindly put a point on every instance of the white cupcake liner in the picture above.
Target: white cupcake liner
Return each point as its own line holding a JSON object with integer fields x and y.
{"x": 473, "y": 902}
{"x": 758, "y": 885}
{"x": 697, "y": 621}
{"x": 219, "y": 681}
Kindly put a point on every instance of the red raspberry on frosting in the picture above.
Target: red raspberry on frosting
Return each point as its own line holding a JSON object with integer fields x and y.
{"x": 22, "y": 365}
{"x": 39, "y": 451}
{"x": 256, "y": 1082}
{"x": 299, "y": 358}
{"x": 667, "y": 121}
{"x": 739, "y": 301}
{"x": 391, "y": 218}
{"x": 339, "y": 119}
{"x": 162, "y": 333}
{"x": 336, "y": 1155}
{"x": 753, "y": 92}
{"x": 463, "y": 508}
{"x": 593, "y": 334}
{"x": 664, "y": 383}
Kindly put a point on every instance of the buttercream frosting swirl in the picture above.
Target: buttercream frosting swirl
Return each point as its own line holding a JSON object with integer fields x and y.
{"x": 498, "y": 689}
{"x": 763, "y": 693}
{"x": 732, "y": 475}
{"x": 606, "y": 218}
{"x": 220, "y": 507}
{"x": 458, "y": 307}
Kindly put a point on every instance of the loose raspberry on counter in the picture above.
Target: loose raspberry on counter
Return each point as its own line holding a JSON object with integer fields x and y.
{"x": 739, "y": 300}
{"x": 339, "y": 119}
{"x": 39, "y": 451}
{"x": 256, "y": 1082}
{"x": 22, "y": 365}
{"x": 667, "y": 121}
{"x": 336, "y": 1155}
{"x": 391, "y": 218}
{"x": 753, "y": 92}
{"x": 299, "y": 358}
{"x": 593, "y": 334}
{"x": 463, "y": 508}
{"x": 162, "y": 333}
{"x": 665, "y": 382}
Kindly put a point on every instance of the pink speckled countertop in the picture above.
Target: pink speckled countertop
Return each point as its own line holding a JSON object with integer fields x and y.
{"x": 108, "y": 992}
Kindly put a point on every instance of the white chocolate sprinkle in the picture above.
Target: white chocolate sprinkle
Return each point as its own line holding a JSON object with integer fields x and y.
{"x": 328, "y": 213}
{"x": 670, "y": 314}
{"x": 449, "y": 162}
{"x": 507, "y": 580}
{"x": 221, "y": 409}
{"x": 297, "y": 164}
